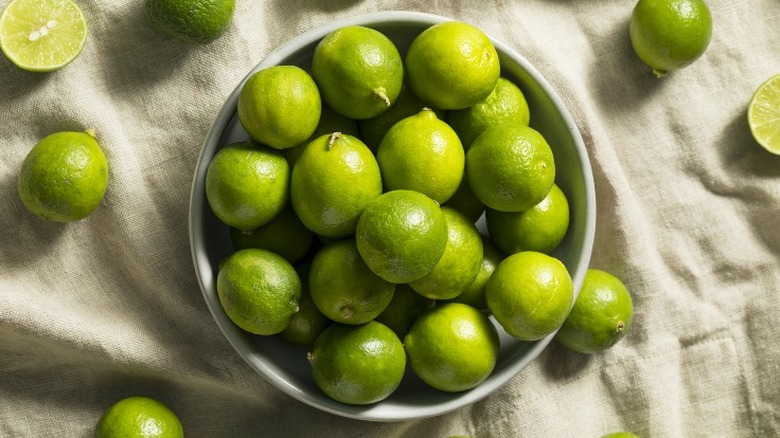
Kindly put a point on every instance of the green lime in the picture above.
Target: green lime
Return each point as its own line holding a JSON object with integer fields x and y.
{"x": 247, "y": 185}
{"x": 358, "y": 70}
{"x": 452, "y": 65}
{"x": 344, "y": 288}
{"x": 64, "y": 177}
{"x": 424, "y": 154}
{"x": 330, "y": 122}
{"x": 308, "y": 322}
{"x": 530, "y": 295}
{"x": 402, "y": 235}
{"x": 764, "y": 115}
{"x": 620, "y": 435}
{"x": 601, "y": 315}
{"x": 452, "y": 347}
{"x": 405, "y": 307}
{"x": 373, "y": 130}
{"x": 474, "y": 295}
{"x": 358, "y": 364}
{"x": 279, "y": 106}
{"x": 190, "y": 21}
{"x": 505, "y": 104}
{"x": 460, "y": 263}
{"x": 285, "y": 235}
{"x": 139, "y": 417}
{"x": 465, "y": 201}
{"x": 258, "y": 290}
{"x": 42, "y": 35}
{"x": 670, "y": 34}
{"x": 510, "y": 167}
{"x": 333, "y": 180}
{"x": 540, "y": 228}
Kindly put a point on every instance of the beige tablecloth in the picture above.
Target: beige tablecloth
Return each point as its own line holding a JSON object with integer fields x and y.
{"x": 688, "y": 208}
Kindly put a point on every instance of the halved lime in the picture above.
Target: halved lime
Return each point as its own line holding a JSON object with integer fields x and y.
{"x": 42, "y": 35}
{"x": 764, "y": 115}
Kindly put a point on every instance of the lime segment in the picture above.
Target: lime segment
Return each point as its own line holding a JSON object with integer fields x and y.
{"x": 42, "y": 35}
{"x": 764, "y": 115}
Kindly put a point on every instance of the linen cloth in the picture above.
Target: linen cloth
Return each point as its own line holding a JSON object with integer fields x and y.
{"x": 688, "y": 206}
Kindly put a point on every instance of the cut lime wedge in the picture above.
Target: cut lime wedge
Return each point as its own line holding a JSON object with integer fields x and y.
{"x": 764, "y": 115}
{"x": 42, "y": 35}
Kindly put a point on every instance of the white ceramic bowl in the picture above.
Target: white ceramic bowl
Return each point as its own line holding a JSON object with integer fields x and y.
{"x": 285, "y": 365}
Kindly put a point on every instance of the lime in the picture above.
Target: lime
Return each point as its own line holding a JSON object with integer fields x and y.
{"x": 540, "y": 228}
{"x": 258, "y": 290}
{"x": 139, "y": 417}
{"x": 358, "y": 70}
{"x": 279, "y": 106}
{"x": 620, "y": 435}
{"x": 404, "y": 309}
{"x": 308, "y": 322}
{"x": 402, "y": 235}
{"x": 670, "y": 34}
{"x": 190, "y": 21}
{"x": 460, "y": 263}
{"x": 510, "y": 167}
{"x": 330, "y": 122}
{"x": 344, "y": 288}
{"x": 358, "y": 364}
{"x": 465, "y": 201}
{"x": 333, "y": 180}
{"x": 474, "y": 295}
{"x": 64, "y": 177}
{"x": 373, "y": 130}
{"x": 764, "y": 115}
{"x": 424, "y": 154}
{"x": 505, "y": 104}
{"x": 452, "y": 347}
{"x": 530, "y": 295}
{"x": 247, "y": 185}
{"x": 42, "y": 35}
{"x": 452, "y": 65}
{"x": 285, "y": 235}
{"x": 601, "y": 315}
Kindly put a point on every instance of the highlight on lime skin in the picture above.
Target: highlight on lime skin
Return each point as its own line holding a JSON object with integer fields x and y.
{"x": 42, "y": 35}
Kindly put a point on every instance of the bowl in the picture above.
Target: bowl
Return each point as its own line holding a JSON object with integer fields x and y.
{"x": 285, "y": 365}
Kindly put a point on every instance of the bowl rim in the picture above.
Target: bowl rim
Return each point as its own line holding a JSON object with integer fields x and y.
{"x": 203, "y": 267}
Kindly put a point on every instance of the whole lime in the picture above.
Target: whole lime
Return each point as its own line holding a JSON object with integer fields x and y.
{"x": 452, "y": 65}
{"x": 258, "y": 290}
{"x": 191, "y": 21}
{"x": 474, "y": 295}
{"x": 140, "y": 417}
{"x": 530, "y": 295}
{"x": 308, "y": 322}
{"x": 510, "y": 167}
{"x": 64, "y": 177}
{"x": 601, "y": 315}
{"x": 285, "y": 235}
{"x": 330, "y": 122}
{"x": 402, "y": 235}
{"x": 465, "y": 201}
{"x": 333, "y": 181}
{"x": 247, "y": 185}
{"x": 279, "y": 106}
{"x": 405, "y": 307}
{"x": 424, "y": 154}
{"x": 358, "y": 70}
{"x": 452, "y": 347}
{"x": 670, "y": 34}
{"x": 344, "y": 288}
{"x": 460, "y": 263}
{"x": 358, "y": 364}
{"x": 540, "y": 228}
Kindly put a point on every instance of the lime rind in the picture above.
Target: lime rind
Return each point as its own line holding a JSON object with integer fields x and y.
{"x": 42, "y": 35}
{"x": 764, "y": 115}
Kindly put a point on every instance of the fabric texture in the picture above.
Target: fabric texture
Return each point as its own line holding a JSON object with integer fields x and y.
{"x": 688, "y": 206}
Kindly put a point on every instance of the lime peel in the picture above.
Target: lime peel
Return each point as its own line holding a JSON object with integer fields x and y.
{"x": 42, "y": 35}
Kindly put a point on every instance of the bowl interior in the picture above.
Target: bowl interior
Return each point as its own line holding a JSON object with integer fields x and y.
{"x": 285, "y": 365}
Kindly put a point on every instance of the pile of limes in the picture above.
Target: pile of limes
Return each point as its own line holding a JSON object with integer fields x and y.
{"x": 352, "y": 212}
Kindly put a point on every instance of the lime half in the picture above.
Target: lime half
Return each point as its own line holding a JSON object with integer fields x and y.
{"x": 764, "y": 115}
{"x": 42, "y": 35}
